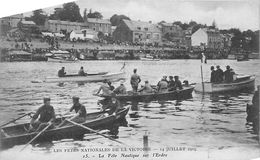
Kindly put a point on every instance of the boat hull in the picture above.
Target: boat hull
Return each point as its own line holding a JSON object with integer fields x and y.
{"x": 92, "y": 78}
{"x": 10, "y": 137}
{"x": 59, "y": 60}
{"x": 172, "y": 95}
{"x": 226, "y": 87}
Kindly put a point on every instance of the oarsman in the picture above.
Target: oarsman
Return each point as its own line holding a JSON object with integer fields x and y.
{"x": 213, "y": 77}
{"x": 120, "y": 89}
{"x": 82, "y": 72}
{"x": 178, "y": 84}
{"x": 171, "y": 84}
{"x": 111, "y": 87}
{"x": 80, "y": 111}
{"x": 228, "y": 74}
{"x": 112, "y": 105}
{"x": 135, "y": 80}
{"x": 104, "y": 88}
{"x": 163, "y": 85}
{"x": 61, "y": 72}
{"x": 44, "y": 116}
{"x": 219, "y": 75}
{"x": 147, "y": 88}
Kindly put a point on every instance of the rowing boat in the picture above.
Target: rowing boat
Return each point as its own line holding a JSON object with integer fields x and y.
{"x": 185, "y": 93}
{"x": 242, "y": 82}
{"x": 17, "y": 134}
{"x": 98, "y": 77}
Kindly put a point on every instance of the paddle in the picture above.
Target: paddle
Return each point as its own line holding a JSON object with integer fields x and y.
{"x": 15, "y": 119}
{"x": 87, "y": 128}
{"x": 36, "y": 136}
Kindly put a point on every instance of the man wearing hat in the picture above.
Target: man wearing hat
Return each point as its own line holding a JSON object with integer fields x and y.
{"x": 43, "y": 116}
{"x": 147, "y": 88}
{"x": 228, "y": 74}
{"x": 135, "y": 80}
{"x": 163, "y": 85}
{"x": 178, "y": 84}
{"x": 219, "y": 75}
{"x": 171, "y": 84}
{"x": 61, "y": 72}
{"x": 120, "y": 89}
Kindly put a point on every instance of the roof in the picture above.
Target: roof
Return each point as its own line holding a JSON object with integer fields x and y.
{"x": 140, "y": 26}
{"x": 66, "y": 22}
{"x": 18, "y": 16}
{"x": 28, "y": 22}
{"x": 96, "y": 20}
{"x": 171, "y": 25}
{"x": 17, "y": 52}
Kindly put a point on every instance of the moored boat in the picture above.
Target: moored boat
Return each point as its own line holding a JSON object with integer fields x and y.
{"x": 98, "y": 77}
{"x": 17, "y": 134}
{"x": 242, "y": 82}
{"x": 61, "y": 56}
{"x": 185, "y": 93}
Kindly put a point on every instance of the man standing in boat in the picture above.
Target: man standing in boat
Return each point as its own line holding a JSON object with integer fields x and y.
{"x": 213, "y": 77}
{"x": 219, "y": 75}
{"x": 135, "y": 80}
{"x": 80, "y": 111}
{"x": 82, "y": 72}
{"x": 62, "y": 72}
{"x": 46, "y": 116}
{"x": 228, "y": 74}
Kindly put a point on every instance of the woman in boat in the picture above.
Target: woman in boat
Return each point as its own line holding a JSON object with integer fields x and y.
{"x": 147, "y": 88}
{"x": 43, "y": 116}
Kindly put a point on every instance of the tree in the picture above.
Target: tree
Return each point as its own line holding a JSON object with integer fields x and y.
{"x": 69, "y": 12}
{"x": 95, "y": 14}
{"x": 116, "y": 19}
{"x": 38, "y": 17}
{"x": 85, "y": 16}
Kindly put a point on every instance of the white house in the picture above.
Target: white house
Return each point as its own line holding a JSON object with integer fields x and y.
{"x": 209, "y": 38}
{"x": 83, "y": 34}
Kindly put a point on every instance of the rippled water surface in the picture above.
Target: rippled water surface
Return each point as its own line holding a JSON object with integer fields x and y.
{"x": 209, "y": 123}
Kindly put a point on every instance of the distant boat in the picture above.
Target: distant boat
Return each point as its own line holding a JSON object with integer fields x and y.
{"x": 242, "y": 57}
{"x": 240, "y": 83}
{"x": 60, "y": 56}
{"x": 148, "y": 57}
{"x": 231, "y": 57}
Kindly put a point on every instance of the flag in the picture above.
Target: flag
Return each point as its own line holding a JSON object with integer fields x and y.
{"x": 203, "y": 58}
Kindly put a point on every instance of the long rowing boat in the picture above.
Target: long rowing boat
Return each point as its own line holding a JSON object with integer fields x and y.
{"x": 17, "y": 134}
{"x": 242, "y": 82}
{"x": 185, "y": 93}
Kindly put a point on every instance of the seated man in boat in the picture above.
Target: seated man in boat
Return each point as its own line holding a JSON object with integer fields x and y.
{"x": 82, "y": 72}
{"x": 135, "y": 80}
{"x": 104, "y": 88}
{"x": 178, "y": 84}
{"x": 147, "y": 88}
{"x": 162, "y": 85}
{"x": 120, "y": 89}
{"x": 219, "y": 75}
{"x": 171, "y": 84}
{"x": 228, "y": 74}
{"x": 80, "y": 111}
{"x": 62, "y": 72}
{"x": 112, "y": 105}
{"x": 111, "y": 87}
{"x": 46, "y": 116}
{"x": 213, "y": 77}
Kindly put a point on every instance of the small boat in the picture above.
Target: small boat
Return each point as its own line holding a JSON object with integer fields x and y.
{"x": 17, "y": 134}
{"x": 96, "y": 77}
{"x": 241, "y": 82}
{"x": 148, "y": 57}
{"x": 60, "y": 56}
{"x": 185, "y": 93}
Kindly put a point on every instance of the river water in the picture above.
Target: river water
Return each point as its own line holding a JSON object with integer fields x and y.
{"x": 214, "y": 126}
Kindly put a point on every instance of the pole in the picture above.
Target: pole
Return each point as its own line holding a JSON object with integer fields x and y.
{"x": 202, "y": 81}
{"x": 15, "y": 119}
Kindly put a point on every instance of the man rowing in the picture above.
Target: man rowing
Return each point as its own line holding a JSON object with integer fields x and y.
{"x": 82, "y": 72}
{"x": 61, "y": 72}
{"x": 112, "y": 105}
{"x": 104, "y": 88}
{"x": 80, "y": 111}
{"x": 44, "y": 116}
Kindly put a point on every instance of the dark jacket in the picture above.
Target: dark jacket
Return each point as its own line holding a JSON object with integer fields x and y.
{"x": 46, "y": 113}
{"x": 61, "y": 73}
{"x": 219, "y": 75}
{"x": 79, "y": 108}
{"x": 213, "y": 77}
{"x": 228, "y": 74}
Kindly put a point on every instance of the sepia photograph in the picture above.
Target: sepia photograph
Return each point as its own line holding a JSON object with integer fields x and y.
{"x": 130, "y": 80}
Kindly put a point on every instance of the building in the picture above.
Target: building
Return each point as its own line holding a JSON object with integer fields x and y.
{"x": 99, "y": 25}
{"x": 172, "y": 32}
{"x": 10, "y": 22}
{"x": 208, "y": 38}
{"x": 137, "y": 32}
{"x": 63, "y": 26}
{"x": 84, "y": 34}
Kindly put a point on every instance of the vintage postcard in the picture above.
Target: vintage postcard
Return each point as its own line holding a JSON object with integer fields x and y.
{"x": 131, "y": 79}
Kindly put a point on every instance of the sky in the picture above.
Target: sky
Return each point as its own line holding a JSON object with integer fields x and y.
{"x": 242, "y": 14}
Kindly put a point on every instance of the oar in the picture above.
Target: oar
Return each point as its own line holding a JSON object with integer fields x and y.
{"x": 15, "y": 119}
{"x": 36, "y": 136}
{"x": 87, "y": 128}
